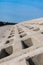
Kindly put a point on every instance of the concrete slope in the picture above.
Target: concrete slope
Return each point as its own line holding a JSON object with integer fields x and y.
{"x": 22, "y": 44}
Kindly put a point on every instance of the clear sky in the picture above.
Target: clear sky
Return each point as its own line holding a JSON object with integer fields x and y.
{"x": 20, "y": 10}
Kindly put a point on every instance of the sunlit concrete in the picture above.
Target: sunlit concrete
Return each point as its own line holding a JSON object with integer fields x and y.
{"x": 22, "y": 44}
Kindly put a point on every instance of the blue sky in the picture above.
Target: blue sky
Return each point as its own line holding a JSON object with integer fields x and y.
{"x": 20, "y": 10}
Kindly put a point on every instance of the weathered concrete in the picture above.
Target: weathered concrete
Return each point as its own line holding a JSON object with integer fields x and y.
{"x": 22, "y": 44}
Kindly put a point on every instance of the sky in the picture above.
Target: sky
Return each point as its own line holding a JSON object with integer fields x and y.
{"x": 20, "y": 10}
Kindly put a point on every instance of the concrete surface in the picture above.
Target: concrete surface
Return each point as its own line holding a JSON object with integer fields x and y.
{"x": 22, "y": 44}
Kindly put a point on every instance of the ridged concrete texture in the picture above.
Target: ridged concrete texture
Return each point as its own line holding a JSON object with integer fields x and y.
{"x": 22, "y": 44}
